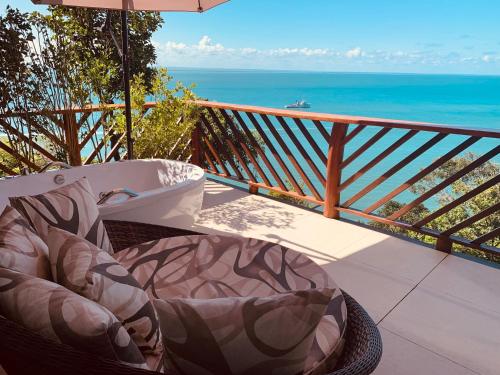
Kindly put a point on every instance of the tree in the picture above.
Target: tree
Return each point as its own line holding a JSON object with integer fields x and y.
{"x": 21, "y": 86}
{"x": 60, "y": 60}
{"x": 83, "y": 28}
{"x": 480, "y": 202}
{"x": 164, "y": 130}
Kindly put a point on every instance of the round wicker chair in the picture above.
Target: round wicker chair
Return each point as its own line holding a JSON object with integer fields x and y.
{"x": 25, "y": 352}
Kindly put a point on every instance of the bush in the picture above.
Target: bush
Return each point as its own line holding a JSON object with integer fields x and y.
{"x": 168, "y": 124}
{"x": 480, "y": 202}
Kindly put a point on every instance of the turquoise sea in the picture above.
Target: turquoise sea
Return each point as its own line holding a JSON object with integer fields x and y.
{"x": 466, "y": 101}
{"x": 472, "y": 101}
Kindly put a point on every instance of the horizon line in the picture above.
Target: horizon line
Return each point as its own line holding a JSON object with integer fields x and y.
{"x": 327, "y": 71}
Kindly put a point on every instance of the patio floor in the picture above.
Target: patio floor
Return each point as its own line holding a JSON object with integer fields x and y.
{"x": 437, "y": 313}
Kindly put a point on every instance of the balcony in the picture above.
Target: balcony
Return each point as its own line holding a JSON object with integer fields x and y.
{"x": 438, "y": 312}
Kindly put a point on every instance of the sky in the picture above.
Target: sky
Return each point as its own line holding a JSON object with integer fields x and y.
{"x": 401, "y": 36}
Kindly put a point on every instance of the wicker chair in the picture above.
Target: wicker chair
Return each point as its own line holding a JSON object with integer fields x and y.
{"x": 25, "y": 352}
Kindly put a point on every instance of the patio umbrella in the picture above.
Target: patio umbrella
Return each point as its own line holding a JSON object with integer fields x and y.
{"x": 131, "y": 5}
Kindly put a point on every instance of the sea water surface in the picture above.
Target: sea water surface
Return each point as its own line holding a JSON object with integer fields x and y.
{"x": 466, "y": 101}
{"x": 471, "y": 101}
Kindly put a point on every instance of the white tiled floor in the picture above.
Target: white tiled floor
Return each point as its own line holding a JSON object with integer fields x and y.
{"x": 437, "y": 314}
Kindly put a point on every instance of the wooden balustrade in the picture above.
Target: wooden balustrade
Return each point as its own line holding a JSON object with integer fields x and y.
{"x": 266, "y": 144}
{"x": 78, "y": 129}
{"x": 348, "y": 165}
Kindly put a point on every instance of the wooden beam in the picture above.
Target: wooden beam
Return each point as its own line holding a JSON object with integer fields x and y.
{"x": 377, "y": 159}
{"x": 334, "y": 170}
{"x": 243, "y": 145}
{"x": 445, "y": 183}
{"x": 424, "y": 172}
{"x": 463, "y": 198}
{"x": 396, "y": 168}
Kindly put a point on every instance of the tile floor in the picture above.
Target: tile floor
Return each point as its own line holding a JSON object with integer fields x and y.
{"x": 437, "y": 313}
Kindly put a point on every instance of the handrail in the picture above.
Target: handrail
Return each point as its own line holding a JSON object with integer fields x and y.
{"x": 104, "y": 197}
{"x": 331, "y": 177}
{"x": 265, "y": 148}
{"x": 358, "y": 120}
{"x": 317, "y": 116}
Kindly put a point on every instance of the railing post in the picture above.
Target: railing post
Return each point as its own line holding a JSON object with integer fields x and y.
{"x": 71, "y": 136}
{"x": 253, "y": 189}
{"x": 196, "y": 151}
{"x": 333, "y": 170}
{"x": 444, "y": 244}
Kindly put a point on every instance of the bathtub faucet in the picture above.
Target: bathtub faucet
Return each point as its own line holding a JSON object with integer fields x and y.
{"x": 103, "y": 197}
{"x": 51, "y": 164}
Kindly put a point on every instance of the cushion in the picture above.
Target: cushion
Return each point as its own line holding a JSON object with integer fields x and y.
{"x": 214, "y": 266}
{"x": 84, "y": 269}
{"x": 20, "y": 247}
{"x": 61, "y": 315}
{"x": 241, "y": 335}
{"x": 72, "y": 208}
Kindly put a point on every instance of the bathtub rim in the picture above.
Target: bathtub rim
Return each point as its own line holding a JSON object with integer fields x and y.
{"x": 146, "y": 198}
{"x": 196, "y": 177}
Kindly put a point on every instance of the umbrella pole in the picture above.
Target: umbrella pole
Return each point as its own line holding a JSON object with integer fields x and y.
{"x": 126, "y": 83}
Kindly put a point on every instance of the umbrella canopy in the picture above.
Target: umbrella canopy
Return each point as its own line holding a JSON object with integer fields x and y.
{"x": 124, "y": 6}
{"x": 152, "y": 5}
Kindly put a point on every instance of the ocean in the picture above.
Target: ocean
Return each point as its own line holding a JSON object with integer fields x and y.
{"x": 466, "y": 101}
{"x": 471, "y": 101}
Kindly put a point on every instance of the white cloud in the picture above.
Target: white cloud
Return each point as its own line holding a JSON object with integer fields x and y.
{"x": 296, "y": 52}
{"x": 178, "y": 47}
{"x": 487, "y": 58}
{"x": 209, "y": 53}
{"x": 249, "y": 51}
{"x": 205, "y": 45}
{"x": 355, "y": 52}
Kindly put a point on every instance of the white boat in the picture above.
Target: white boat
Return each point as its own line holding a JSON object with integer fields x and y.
{"x": 299, "y": 104}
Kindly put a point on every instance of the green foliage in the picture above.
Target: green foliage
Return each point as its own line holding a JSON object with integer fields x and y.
{"x": 164, "y": 126}
{"x": 224, "y": 134}
{"x": 15, "y": 71}
{"x": 8, "y": 161}
{"x": 65, "y": 59}
{"x": 467, "y": 209}
{"x": 95, "y": 54}
{"x": 21, "y": 88}
{"x": 290, "y": 199}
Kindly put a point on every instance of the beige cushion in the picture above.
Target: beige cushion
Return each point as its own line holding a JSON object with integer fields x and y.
{"x": 72, "y": 208}
{"x": 215, "y": 266}
{"x": 61, "y": 315}
{"x": 20, "y": 247}
{"x": 241, "y": 335}
{"x": 84, "y": 269}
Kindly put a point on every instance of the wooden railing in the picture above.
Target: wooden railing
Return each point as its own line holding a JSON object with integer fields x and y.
{"x": 73, "y": 131}
{"x": 79, "y": 136}
{"x": 349, "y": 166}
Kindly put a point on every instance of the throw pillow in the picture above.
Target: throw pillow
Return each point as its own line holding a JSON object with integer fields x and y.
{"x": 72, "y": 208}
{"x": 61, "y": 315}
{"x": 20, "y": 247}
{"x": 86, "y": 270}
{"x": 241, "y": 335}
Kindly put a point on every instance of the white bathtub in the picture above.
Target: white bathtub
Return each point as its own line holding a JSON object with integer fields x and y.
{"x": 169, "y": 192}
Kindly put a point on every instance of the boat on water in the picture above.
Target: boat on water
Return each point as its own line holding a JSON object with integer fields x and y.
{"x": 299, "y": 104}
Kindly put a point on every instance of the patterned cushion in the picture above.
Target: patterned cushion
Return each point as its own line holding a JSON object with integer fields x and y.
{"x": 61, "y": 315}
{"x": 84, "y": 269}
{"x": 241, "y": 335}
{"x": 229, "y": 266}
{"x": 20, "y": 247}
{"x": 72, "y": 208}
